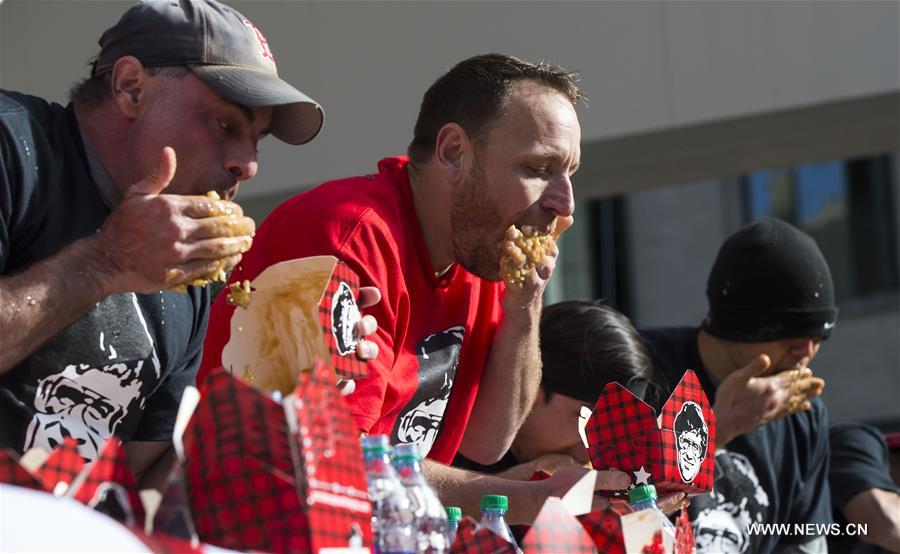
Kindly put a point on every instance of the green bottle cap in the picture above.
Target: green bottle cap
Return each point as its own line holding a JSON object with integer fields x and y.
{"x": 494, "y": 502}
{"x": 407, "y": 453}
{"x": 454, "y": 513}
{"x": 642, "y": 493}
{"x": 375, "y": 444}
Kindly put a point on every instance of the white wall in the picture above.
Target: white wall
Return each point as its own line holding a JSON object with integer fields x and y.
{"x": 647, "y": 66}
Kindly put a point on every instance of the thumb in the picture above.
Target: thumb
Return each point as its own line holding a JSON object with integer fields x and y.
{"x": 562, "y": 223}
{"x": 159, "y": 178}
{"x": 755, "y": 368}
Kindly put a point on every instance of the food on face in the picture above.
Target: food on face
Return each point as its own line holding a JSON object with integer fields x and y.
{"x": 523, "y": 249}
{"x": 231, "y": 228}
{"x": 239, "y": 294}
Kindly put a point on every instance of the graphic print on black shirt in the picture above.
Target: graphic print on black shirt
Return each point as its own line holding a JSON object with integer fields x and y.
{"x": 98, "y": 382}
{"x": 721, "y": 518}
{"x": 420, "y": 420}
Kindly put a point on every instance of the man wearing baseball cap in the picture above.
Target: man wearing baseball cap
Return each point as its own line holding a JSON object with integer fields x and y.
{"x": 103, "y": 211}
{"x": 771, "y": 304}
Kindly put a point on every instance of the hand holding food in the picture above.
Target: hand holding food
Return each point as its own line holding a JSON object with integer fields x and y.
{"x": 154, "y": 241}
{"x": 525, "y": 249}
{"x": 746, "y": 401}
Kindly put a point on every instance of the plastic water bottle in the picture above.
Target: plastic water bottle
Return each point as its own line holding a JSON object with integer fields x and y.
{"x": 431, "y": 519}
{"x": 454, "y": 514}
{"x": 643, "y": 497}
{"x": 493, "y": 509}
{"x": 392, "y": 514}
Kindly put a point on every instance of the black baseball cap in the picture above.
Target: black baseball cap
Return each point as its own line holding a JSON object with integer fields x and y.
{"x": 221, "y": 47}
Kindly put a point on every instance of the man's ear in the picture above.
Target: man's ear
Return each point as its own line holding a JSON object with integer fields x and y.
{"x": 128, "y": 82}
{"x": 452, "y": 151}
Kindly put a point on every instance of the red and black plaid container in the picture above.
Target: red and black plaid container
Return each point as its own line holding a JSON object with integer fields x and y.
{"x": 484, "y": 541}
{"x": 674, "y": 452}
{"x": 556, "y": 530}
{"x": 276, "y": 477}
{"x": 343, "y": 281}
{"x": 63, "y": 465}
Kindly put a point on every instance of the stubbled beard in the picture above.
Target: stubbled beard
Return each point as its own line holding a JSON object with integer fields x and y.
{"x": 476, "y": 225}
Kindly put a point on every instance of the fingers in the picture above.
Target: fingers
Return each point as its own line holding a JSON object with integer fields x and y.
{"x": 158, "y": 179}
{"x": 199, "y": 207}
{"x": 196, "y": 269}
{"x": 366, "y": 350}
{"x": 221, "y": 226}
{"x": 215, "y": 249}
{"x": 368, "y": 296}
{"x": 755, "y": 368}
{"x": 599, "y": 503}
{"x": 671, "y": 503}
{"x": 612, "y": 480}
{"x": 562, "y": 223}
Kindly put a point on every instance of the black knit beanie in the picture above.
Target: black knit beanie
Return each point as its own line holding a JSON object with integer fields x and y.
{"x": 770, "y": 282}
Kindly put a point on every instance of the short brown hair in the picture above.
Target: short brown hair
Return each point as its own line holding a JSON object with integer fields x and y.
{"x": 474, "y": 91}
{"x": 95, "y": 90}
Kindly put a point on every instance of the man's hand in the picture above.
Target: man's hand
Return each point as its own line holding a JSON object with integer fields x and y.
{"x": 154, "y": 241}
{"x": 608, "y": 480}
{"x": 368, "y": 325}
{"x": 745, "y": 401}
{"x": 512, "y": 374}
{"x": 365, "y": 349}
{"x": 535, "y": 280}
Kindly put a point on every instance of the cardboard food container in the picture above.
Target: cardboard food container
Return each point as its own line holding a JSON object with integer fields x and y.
{"x": 299, "y": 310}
{"x": 276, "y": 476}
{"x": 107, "y": 484}
{"x": 674, "y": 451}
{"x": 620, "y": 530}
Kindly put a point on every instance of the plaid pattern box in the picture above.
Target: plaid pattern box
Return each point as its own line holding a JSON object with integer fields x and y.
{"x": 684, "y": 534}
{"x": 62, "y": 466}
{"x": 12, "y": 472}
{"x": 674, "y": 452}
{"x": 108, "y": 486}
{"x": 238, "y": 470}
{"x": 173, "y": 516}
{"x": 328, "y": 461}
{"x": 276, "y": 477}
{"x": 484, "y": 541}
{"x": 556, "y": 531}
{"x": 605, "y": 529}
{"x": 343, "y": 287}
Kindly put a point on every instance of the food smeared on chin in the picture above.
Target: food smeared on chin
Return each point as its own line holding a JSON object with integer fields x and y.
{"x": 239, "y": 294}
{"x": 232, "y": 228}
{"x": 523, "y": 249}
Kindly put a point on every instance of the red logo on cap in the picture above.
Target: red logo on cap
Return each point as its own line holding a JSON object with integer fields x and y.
{"x": 266, "y": 52}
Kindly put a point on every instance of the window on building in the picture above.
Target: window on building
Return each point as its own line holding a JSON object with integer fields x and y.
{"x": 847, "y": 207}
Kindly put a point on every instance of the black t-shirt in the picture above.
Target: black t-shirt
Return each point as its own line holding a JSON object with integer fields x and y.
{"x": 776, "y": 474}
{"x": 119, "y": 370}
{"x": 860, "y": 461}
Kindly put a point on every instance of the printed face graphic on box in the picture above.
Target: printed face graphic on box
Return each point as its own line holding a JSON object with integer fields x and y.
{"x": 691, "y": 439}
{"x": 344, "y": 317}
{"x": 420, "y": 420}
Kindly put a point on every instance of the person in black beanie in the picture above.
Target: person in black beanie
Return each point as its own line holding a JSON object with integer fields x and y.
{"x": 771, "y": 304}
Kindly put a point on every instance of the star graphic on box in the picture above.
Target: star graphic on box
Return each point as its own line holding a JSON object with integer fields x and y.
{"x": 641, "y": 476}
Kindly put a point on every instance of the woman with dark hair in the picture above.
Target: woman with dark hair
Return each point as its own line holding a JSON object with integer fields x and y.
{"x": 584, "y": 346}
